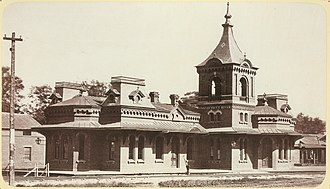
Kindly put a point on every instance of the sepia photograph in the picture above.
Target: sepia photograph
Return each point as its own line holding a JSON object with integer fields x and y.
{"x": 164, "y": 94}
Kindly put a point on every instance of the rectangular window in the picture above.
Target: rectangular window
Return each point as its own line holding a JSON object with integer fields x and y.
{"x": 27, "y": 153}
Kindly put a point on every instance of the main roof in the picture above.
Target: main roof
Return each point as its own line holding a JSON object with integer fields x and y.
{"x": 227, "y": 50}
{"x": 21, "y": 121}
{"x": 269, "y": 111}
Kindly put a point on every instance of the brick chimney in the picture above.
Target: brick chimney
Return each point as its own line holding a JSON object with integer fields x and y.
{"x": 154, "y": 97}
{"x": 174, "y": 99}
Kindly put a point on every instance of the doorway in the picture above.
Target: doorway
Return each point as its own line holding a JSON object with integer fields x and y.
{"x": 175, "y": 151}
{"x": 267, "y": 153}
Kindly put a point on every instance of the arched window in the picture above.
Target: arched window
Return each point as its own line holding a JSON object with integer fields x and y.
{"x": 141, "y": 147}
{"x": 211, "y": 149}
{"x": 111, "y": 148}
{"x": 246, "y": 117}
{"x": 190, "y": 147}
{"x": 159, "y": 147}
{"x": 218, "y": 116}
{"x": 215, "y": 87}
{"x": 131, "y": 147}
{"x": 211, "y": 116}
{"x": 280, "y": 149}
{"x": 243, "y": 149}
{"x": 286, "y": 149}
{"x": 65, "y": 144}
{"x": 244, "y": 87}
{"x": 241, "y": 117}
{"x": 81, "y": 140}
{"x": 56, "y": 147}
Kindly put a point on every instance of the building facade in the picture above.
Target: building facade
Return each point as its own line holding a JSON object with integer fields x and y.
{"x": 310, "y": 150}
{"x": 30, "y": 146}
{"x": 130, "y": 130}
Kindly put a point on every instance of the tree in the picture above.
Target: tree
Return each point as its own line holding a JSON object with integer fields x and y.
{"x": 6, "y": 78}
{"x": 39, "y": 98}
{"x": 306, "y": 124}
{"x": 190, "y": 99}
{"x": 96, "y": 88}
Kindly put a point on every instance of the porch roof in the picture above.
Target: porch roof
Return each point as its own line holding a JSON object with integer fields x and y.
{"x": 252, "y": 131}
{"x": 161, "y": 126}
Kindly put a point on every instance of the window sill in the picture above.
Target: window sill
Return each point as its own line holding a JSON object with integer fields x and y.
{"x": 140, "y": 161}
{"x": 242, "y": 161}
{"x": 159, "y": 161}
{"x": 81, "y": 161}
{"x": 131, "y": 161}
{"x": 283, "y": 161}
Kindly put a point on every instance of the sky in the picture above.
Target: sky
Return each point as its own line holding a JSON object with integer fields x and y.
{"x": 162, "y": 42}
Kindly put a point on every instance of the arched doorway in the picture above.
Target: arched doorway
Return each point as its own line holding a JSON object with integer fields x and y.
{"x": 267, "y": 153}
{"x": 175, "y": 151}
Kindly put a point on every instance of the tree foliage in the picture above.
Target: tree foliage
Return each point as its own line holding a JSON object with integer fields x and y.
{"x": 96, "y": 88}
{"x": 190, "y": 99}
{"x": 39, "y": 98}
{"x": 6, "y": 78}
{"x": 306, "y": 124}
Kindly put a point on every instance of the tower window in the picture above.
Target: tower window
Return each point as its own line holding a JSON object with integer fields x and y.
{"x": 244, "y": 88}
{"x": 215, "y": 87}
{"x": 241, "y": 117}
{"x": 211, "y": 116}
{"x": 218, "y": 116}
{"x": 246, "y": 117}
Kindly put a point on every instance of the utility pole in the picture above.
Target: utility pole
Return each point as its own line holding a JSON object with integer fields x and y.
{"x": 12, "y": 109}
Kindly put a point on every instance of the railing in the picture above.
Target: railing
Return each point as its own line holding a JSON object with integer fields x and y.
{"x": 38, "y": 172}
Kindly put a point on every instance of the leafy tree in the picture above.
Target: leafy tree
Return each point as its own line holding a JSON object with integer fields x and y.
{"x": 96, "y": 88}
{"x": 39, "y": 96}
{"x": 6, "y": 78}
{"x": 190, "y": 99}
{"x": 306, "y": 124}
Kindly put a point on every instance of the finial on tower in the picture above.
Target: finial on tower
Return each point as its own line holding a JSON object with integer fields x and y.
{"x": 227, "y": 16}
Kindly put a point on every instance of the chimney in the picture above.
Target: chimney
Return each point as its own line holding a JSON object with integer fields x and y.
{"x": 154, "y": 97}
{"x": 174, "y": 99}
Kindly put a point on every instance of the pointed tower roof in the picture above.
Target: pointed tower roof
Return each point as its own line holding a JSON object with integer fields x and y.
{"x": 227, "y": 50}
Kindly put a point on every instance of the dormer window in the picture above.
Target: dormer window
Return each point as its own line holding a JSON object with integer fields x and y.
{"x": 136, "y": 96}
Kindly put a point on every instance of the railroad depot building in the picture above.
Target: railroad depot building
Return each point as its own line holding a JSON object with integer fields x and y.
{"x": 131, "y": 131}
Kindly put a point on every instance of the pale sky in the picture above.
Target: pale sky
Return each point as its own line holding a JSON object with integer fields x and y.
{"x": 162, "y": 42}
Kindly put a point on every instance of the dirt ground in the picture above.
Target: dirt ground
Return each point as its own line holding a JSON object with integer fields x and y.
{"x": 194, "y": 180}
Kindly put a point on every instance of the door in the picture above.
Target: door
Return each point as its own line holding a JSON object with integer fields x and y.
{"x": 267, "y": 157}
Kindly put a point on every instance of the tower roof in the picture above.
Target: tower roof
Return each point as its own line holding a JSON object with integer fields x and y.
{"x": 227, "y": 50}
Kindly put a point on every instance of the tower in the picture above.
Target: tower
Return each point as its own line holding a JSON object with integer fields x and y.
{"x": 226, "y": 84}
